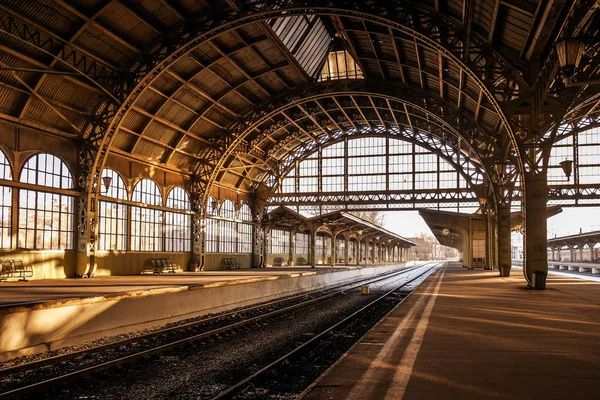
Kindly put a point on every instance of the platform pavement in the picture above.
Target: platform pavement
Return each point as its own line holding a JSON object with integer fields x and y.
{"x": 82, "y": 310}
{"x": 473, "y": 335}
{"x": 14, "y": 293}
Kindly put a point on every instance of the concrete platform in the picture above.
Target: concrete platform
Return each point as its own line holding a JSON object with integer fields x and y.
{"x": 43, "y": 315}
{"x": 473, "y": 335}
{"x": 41, "y": 291}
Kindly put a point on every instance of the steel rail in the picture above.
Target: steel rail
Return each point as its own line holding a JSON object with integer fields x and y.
{"x": 193, "y": 324}
{"x": 51, "y": 382}
{"x": 241, "y": 385}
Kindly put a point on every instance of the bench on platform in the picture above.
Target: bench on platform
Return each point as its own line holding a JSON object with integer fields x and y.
{"x": 160, "y": 265}
{"x": 230, "y": 263}
{"x": 301, "y": 261}
{"x": 279, "y": 262}
{"x": 15, "y": 269}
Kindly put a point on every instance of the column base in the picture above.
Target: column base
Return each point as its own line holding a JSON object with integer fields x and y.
{"x": 505, "y": 271}
{"x": 538, "y": 280}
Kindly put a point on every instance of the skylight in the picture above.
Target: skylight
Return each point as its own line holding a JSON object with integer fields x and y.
{"x": 340, "y": 65}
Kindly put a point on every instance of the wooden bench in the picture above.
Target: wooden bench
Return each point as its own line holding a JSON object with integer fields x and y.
{"x": 301, "y": 261}
{"x": 15, "y": 269}
{"x": 279, "y": 262}
{"x": 230, "y": 263}
{"x": 160, "y": 265}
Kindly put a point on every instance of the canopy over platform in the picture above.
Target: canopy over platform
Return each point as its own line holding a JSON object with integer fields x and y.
{"x": 335, "y": 223}
{"x": 449, "y": 227}
{"x": 579, "y": 240}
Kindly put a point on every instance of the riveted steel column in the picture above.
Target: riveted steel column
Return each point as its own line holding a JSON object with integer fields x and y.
{"x": 504, "y": 243}
{"x": 313, "y": 247}
{"x": 535, "y": 265}
{"x": 347, "y": 250}
{"x": 266, "y": 242}
{"x": 292, "y": 248}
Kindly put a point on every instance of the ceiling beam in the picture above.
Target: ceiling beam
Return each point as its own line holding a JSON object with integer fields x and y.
{"x": 92, "y": 21}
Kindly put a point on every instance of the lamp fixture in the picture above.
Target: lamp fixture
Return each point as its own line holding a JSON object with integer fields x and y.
{"x": 567, "y": 166}
{"x": 482, "y": 201}
{"x": 500, "y": 167}
{"x": 106, "y": 181}
{"x": 569, "y": 52}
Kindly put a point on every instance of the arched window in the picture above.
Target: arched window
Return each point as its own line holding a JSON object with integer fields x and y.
{"x": 301, "y": 243}
{"x": 227, "y": 229}
{"x": 5, "y": 204}
{"x": 280, "y": 241}
{"x": 583, "y": 149}
{"x": 211, "y": 244}
{"x": 46, "y": 218}
{"x": 178, "y": 225}
{"x": 371, "y": 165}
{"x": 245, "y": 230}
{"x": 227, "y": 209}
{"x": 146, "y": 222}
{"x": 112, "y": 221}
{"x": 245, "y": 213}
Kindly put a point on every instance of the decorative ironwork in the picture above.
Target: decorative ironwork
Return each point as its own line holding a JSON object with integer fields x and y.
{"x": 493, "y": 74}
{"x": 401, "y": 199}
{"x": 431, "y": 117}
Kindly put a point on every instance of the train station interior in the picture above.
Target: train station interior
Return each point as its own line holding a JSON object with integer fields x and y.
{"x": 163, "y": 162}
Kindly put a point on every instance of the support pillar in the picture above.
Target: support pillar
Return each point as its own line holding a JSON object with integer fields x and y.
{"x": 292, "y": 248}
{"x": 504, "y": 240}
{"x": 535, "y": 263}
{"x": 333, "y": 249}
{"x": 313, "y": 247}
{"x": 258, "y": 246}
{"x": 265, "y": 248}
{"x": 467, "y": 247}
{"x": 347, "y": 250}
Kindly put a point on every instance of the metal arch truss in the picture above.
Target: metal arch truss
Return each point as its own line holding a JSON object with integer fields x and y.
{"x": 470, "y": 171}
{"x": 498, "y": 79}
{"x": 391, "y": 200}
{"x": 424, "y": 114}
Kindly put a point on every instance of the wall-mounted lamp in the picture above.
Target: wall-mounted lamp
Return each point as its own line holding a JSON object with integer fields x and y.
{"x": 106, "y": 181}
{"x": 569, "y": 52}
{"x": 567, "y": 167}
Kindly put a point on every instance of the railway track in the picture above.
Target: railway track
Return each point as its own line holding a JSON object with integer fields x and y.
{"x": 69, "y": 367}
{"x": 257, "y": 383}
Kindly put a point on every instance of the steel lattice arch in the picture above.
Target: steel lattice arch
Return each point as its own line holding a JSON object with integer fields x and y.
{"x": 225, "y": 99}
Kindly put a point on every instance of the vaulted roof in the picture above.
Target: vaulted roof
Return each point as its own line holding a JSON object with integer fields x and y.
{"x": 182, "y": 83}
